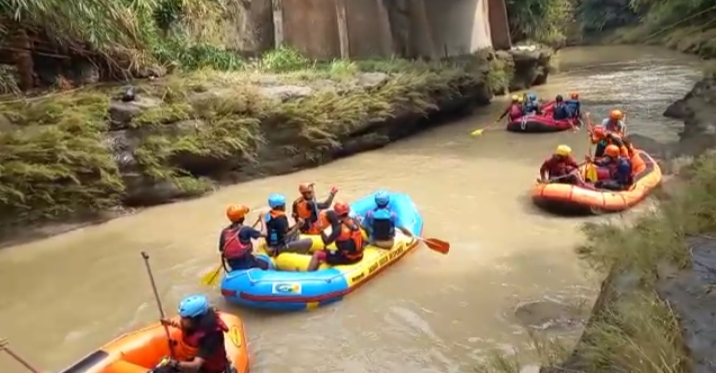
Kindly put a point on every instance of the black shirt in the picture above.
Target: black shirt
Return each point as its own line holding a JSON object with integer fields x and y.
{"x": 209, "y": 344}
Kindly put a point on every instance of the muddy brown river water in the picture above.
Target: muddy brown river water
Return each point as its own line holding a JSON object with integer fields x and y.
{"x": 64, "y": 296}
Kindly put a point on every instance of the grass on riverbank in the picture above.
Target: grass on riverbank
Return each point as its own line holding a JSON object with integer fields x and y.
{"x": 54, "y": 160}
{"x": 638, "y": 332}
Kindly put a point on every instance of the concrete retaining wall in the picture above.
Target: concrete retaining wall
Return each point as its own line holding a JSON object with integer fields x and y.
{"x": 384, "y": 28}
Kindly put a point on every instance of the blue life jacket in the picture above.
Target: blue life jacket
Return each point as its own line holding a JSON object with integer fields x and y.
{"x": 380, "y": 222}
{"x": 574, "y": 107}
{"x": 622, "y": 174}
{"x": 560, "y": 111}
{"x": 531, "y": 107}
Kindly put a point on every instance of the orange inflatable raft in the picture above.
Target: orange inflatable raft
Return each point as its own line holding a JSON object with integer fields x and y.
{"x": 142, "y": 350}
{"x": 574, "y": 199}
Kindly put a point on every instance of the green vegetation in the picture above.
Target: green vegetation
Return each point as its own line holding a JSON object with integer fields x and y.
{"x": 54, "y": 158}
{"x": 687, "y": 26}
{"x": 638, "y": 332}
{"x": 544, "y": 21}
{"x": 123, "y": 37}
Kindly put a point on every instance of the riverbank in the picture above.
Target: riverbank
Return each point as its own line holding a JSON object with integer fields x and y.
{"x": 90, "y": 154}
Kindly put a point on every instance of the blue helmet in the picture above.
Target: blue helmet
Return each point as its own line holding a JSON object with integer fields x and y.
{"x": 193, "y": 306}
{"x": 276, "y": 200}
{"x": 382, "y": 198}
{"x": 532, "y": 97}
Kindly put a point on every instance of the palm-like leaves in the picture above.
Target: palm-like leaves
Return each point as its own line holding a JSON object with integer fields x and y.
{"x": 101, "y": 23}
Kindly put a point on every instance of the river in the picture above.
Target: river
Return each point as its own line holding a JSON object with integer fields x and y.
{"x": 66, "y": 295}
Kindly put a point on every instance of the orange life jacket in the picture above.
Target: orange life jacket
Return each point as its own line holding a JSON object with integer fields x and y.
{"x": 187, "y": 347}
{"x": 350, "y": 240}
{"x": 308, "y": 214}
{"x": 233, "y": 247}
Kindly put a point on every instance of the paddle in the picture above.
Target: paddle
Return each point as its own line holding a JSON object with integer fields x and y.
{"x": 590, "y": 171}
{"x": 211, "y": 278}
{"x": 5, "y": 346}
{"x": 587, "y": 164}
{"x": 479, "y": 132}
{"x": 435, "y": 244}
{"x": 159, "y": 303}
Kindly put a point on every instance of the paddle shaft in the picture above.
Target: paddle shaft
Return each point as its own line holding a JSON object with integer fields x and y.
{"x": 159, "y": 301}
{"x": 4, "y": 347}
{"x": 566, "y": 175}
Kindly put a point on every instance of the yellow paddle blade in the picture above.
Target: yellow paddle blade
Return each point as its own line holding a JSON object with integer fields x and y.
{"x": 477, "y": 132}
{"x": 591, "y": 173}
{"x": 212, "y": 278}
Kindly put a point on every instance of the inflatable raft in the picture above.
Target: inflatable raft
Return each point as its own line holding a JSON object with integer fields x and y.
{"x": 566, "y": 198}
{"x": 140, "y": 351}
{"x": 534, "y": 123}
{"x": 288, "y": 287}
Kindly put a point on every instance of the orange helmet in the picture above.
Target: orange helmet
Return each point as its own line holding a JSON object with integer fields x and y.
{"x": 612, "y": 151}
{"x": 599, "y": 132}
{"x": 616, "y": 114}
{"x": 574, "y": 96}
{"x": 236, "y": 212}
{"x": 305, "y": 188}
{"x": 341, "y": 208}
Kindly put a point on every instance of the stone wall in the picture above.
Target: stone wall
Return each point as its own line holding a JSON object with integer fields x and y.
{"x": 382, "y": 28}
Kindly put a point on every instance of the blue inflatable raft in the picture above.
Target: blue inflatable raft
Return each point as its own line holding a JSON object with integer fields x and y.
{"x": 288, "y": 287}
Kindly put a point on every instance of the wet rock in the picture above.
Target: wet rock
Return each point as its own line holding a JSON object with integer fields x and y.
{"x": 699, "y": 104}
{"x": 692, "y": 295}
{"x": 121, "y": 113}
{"x": 655, "y": 148}
{"x": 698, "y": 111}
{"x": 547, "y": 315}
{"x": 145, "y": 191}
{"x": 286, "y": 92}
{"x": 531, "y": 66}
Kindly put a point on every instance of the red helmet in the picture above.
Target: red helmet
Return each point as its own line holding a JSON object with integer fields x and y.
{"x": 599, "y": 132}
{"x": 574, "y": 96}
{"x": 341, "y": 208}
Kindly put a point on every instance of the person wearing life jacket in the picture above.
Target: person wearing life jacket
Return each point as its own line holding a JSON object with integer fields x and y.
{"x": 200, "y": 344}
{"x": 574, "y": 106}
{"x": 618, "y": 167}
{"x": 345, "y": 233}
{"x": 615, "y": 123}
{"x": 307, "y": 208}
{"x": 560, "y": 167}
{"x": 514, "y": 110}
{"x": 235, "y": 241}
{"x": 560, "y": 112}
{"x": 381, "y": 223}
{"x": 532, "y": 105}
{"x": 280, "y": 235}
{"x": 604, "y": 138}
